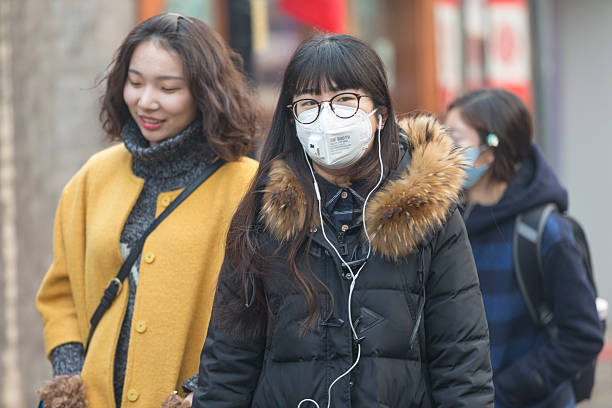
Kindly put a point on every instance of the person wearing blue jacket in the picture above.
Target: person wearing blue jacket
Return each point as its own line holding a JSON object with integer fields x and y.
{"x": 509, "y": 176}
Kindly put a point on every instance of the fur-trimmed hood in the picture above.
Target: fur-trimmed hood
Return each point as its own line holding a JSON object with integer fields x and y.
{"x": 403, "y": 213}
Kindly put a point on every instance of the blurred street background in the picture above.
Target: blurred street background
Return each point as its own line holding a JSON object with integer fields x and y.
{"x": 555, "y": 54}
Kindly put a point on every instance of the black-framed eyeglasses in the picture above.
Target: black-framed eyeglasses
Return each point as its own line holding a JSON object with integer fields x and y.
{"x": 344, "y": 105}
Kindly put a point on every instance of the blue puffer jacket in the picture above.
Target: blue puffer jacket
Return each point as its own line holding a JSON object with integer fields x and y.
{"x": 530, "y": 369}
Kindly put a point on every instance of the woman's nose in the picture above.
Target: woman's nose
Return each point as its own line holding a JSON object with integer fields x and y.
{"x": 148, "y": 99}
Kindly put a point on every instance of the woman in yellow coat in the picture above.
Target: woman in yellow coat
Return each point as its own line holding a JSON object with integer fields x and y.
{"x": 176, "y": 100}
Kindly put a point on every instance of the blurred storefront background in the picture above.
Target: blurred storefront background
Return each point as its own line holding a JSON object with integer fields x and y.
{"x": 556, "y": 54}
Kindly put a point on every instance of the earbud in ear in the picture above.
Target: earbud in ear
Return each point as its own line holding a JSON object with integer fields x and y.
{"x": 380, "y": 122}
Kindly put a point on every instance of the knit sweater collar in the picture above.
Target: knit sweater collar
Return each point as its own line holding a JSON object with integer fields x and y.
{"x": 169, "y": 159}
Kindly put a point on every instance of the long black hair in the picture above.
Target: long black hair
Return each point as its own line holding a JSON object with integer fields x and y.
{"x": 322, "y": 63}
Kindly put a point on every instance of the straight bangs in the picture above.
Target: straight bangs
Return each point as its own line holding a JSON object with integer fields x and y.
{"x": 326, "y": 66}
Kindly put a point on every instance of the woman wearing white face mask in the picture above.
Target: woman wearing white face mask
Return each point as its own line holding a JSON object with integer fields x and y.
{"x": 348, "y": 280}
{"x": 337, "y": 132}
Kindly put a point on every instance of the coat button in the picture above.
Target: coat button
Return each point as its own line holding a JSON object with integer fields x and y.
{"x": 351, "y": 383}
{"x": 344, "y": 194}
{"x": 165, "y": 201}
{"x": 141, "y": 326}
{"x": 348, "y": 276}
{"x": 344, "y": 227}
{"x": 149, "y": 258}
{"x": 132, "y": 395}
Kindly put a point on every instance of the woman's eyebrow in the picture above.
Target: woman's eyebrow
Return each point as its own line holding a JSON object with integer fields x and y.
{"x": 160, "y": 77}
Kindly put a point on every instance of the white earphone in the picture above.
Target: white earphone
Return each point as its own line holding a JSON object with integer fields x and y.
{"x": 354, "y": 276}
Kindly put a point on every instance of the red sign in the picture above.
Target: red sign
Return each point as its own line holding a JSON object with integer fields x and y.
{"x": 508, "y": 47}
{"x": 326, "y": 15}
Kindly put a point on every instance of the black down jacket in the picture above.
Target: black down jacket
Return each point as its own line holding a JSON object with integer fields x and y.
{"x": 416, "y": 305}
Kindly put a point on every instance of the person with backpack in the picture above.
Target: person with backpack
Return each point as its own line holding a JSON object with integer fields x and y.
{"x": 140, "y": 229}
{"x": 348, "y": 278}
{"x": 534, "y": 363}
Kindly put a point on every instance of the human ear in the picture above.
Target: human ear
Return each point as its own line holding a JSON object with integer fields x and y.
{"x": 487, "y": 157}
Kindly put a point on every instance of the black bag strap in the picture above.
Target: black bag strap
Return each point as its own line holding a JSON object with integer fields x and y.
{"x": 114, "y": 286}
{"x": 581, "y": 240}
{"x": 528, "y": 229}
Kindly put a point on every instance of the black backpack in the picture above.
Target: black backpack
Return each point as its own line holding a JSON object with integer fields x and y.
{"x": 528, "y": 229}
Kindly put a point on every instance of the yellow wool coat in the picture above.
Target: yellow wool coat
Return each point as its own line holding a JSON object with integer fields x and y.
{"x": 177, "y": 279}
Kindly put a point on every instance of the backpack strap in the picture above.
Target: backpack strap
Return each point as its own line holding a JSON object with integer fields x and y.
{"x": 114, "y": 286}
{"x": 528, "y": 230}
{"x": 581, "y": 241}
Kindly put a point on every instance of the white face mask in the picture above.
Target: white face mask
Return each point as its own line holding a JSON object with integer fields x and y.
{"x": 334, "y": 142}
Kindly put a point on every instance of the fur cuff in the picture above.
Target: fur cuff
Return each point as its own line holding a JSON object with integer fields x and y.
{"x": 64, "y": 391}
{"x": 175, "y": 401}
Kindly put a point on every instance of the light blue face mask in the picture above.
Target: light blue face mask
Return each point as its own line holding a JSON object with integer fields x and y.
{"x": 472, "y": 173}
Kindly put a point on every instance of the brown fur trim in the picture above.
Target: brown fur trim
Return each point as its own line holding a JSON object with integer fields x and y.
{"x": 175, "y": 401}
{"x": 284, "y": 203}
{"x": 399, "y": 216}
{"x": 64, "y": 391}
{"x": 407, "y": 209}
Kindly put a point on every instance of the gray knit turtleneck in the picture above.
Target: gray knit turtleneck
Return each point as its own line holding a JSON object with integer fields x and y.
{"x": 168, "y": 166}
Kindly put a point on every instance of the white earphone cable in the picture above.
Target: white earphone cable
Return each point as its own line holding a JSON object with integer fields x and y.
{"x": 353, "y": 275}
